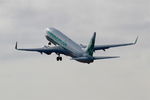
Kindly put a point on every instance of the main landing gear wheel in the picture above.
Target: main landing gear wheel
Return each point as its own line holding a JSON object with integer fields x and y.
{"x": 59, "y": 58}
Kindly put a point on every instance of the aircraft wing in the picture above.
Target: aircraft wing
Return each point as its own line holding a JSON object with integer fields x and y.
{"x": 45, "y": 49}
{"x": 103, "y": 47}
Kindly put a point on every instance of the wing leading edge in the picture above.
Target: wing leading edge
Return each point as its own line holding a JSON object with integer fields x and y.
{"x": 45, "y": 49}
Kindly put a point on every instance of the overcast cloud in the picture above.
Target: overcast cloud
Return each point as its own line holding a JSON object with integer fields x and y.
{"x": 31, "y": 76}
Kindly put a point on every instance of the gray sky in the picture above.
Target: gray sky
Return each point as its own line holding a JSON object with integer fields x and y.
{"x": 31, "y": 76}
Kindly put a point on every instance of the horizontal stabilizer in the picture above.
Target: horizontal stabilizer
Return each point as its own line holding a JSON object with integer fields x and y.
{"x": 94, "y": 58}
{"x": 108, "y": 57}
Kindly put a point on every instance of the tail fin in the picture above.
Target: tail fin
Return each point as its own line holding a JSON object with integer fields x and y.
{"x": 90, "y": 47}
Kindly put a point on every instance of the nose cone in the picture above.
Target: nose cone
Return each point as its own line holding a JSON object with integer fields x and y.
{"x": 46, "y": 30}
{"x": 50, "y": 29}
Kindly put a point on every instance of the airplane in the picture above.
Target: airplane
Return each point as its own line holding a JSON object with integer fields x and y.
{"x": 66, "y": 46}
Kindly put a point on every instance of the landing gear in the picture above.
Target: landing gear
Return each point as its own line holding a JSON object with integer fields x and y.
{"x": 49, "y": 43}
{"x": 59, "y": 58}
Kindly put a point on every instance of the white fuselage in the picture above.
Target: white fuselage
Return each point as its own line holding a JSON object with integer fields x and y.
{"x": 62, "y": 40}
{"x": 68, "y": 47}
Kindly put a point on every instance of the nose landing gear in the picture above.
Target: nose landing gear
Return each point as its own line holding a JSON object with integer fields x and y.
{"x": 49, "y": 43}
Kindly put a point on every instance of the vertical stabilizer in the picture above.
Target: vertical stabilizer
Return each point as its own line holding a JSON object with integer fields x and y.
{"x": 90, "y": 47}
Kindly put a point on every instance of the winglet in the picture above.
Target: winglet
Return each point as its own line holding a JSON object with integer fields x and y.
{"x": 16, "y": 46}
{"x": 136, "y": 40}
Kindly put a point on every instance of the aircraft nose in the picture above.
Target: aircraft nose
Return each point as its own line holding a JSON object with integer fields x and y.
{"x": 46, "y": 30}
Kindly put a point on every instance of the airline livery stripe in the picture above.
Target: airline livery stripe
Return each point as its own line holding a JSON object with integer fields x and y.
{"x": 58, "y": 40}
